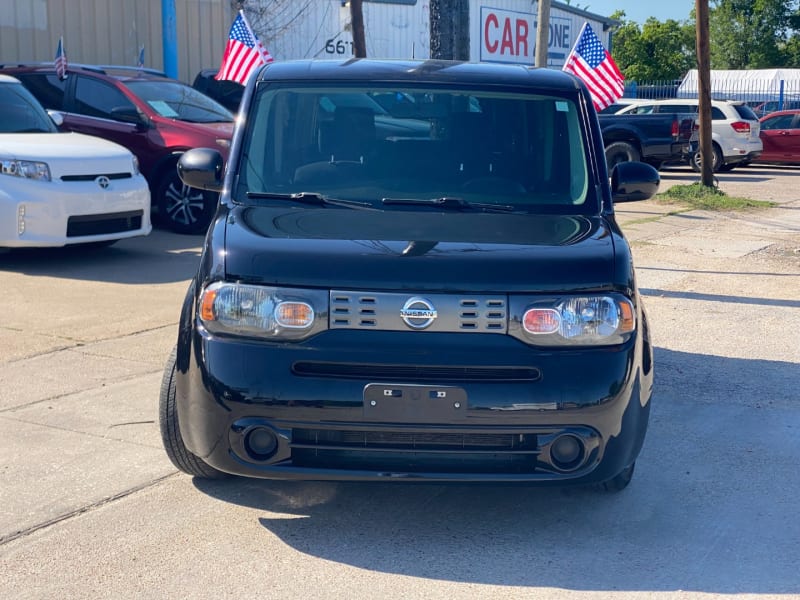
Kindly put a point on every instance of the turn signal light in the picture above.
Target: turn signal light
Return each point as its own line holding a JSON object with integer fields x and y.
{"x": 294, "y": 314}
{"x": 540, "y": 321}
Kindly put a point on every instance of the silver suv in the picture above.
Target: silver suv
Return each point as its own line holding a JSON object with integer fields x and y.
{"x": 734, "y": 129}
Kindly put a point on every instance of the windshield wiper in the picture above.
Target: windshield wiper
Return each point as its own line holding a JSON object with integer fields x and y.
{"x": 450, "y": 203}
{"x": 312, "y": 198}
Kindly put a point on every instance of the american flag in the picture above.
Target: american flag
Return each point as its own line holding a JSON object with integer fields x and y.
{"x": 243, "y": 54}
{"x": 61, "y": 60}
{"x": 140, "y": 60}
{"x": 592, "y": 63}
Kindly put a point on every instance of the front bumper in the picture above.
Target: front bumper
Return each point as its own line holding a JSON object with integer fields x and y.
{"x": 299, "y": 411}
{"x": 57, "y": 213}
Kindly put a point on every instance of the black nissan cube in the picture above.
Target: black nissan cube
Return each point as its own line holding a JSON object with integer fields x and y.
{"x": 414, "y": 273}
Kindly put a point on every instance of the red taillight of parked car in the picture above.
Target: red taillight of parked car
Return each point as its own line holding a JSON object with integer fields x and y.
{"x": 741, "y": 127}
{"x": 676, "y": 129}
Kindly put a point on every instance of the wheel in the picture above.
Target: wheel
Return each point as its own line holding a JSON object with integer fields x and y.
{"x": 181, "y": 208}
{"x": 696, "y": 160}
{"x": 619, "y": 152}
{"x": 171, "y": 433}
{"x": 621, "y": 480}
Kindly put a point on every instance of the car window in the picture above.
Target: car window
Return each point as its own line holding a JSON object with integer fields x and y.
{"x": 718, "y": 115}
{"x": 176, "y": 100}
{"x": 97, "y": 98}
{"x": 745, "y": 112}
{"x": 523, "y": 150}
{"x": 48, "y": 89}
{"x": 21, "y": 113}
{"x": 678, "y": 108}
{"x": 778, "y": 122}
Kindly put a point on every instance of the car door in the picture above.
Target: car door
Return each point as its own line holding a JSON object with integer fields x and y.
{"x": 780, "y": 135}
{"x": 93, "y": 107}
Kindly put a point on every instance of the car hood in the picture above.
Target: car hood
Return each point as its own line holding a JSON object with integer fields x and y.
{"x": 220, "y": 129}
{"x": 414, "y": 250}
{"x": 68, "y": 153}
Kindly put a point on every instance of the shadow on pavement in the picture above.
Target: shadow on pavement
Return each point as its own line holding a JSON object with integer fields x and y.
{"x": 711, "y": 509}
{"x": 161, "y": 257}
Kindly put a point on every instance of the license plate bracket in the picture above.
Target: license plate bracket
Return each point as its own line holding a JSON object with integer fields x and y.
{"x": 394, "y": 403}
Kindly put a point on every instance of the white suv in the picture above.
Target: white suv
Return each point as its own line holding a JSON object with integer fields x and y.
{"x": 734, "y": 129}
{"x": 63, "y": 188}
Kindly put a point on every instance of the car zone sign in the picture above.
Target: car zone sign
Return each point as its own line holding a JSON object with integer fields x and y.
{"x": 509, "y": 36}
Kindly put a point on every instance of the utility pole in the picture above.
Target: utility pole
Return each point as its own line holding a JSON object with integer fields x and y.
{"x": 357, "y": 20}
{"x": 542, "y": 33}
{"x": 449, "y": 21}
{"x": 704, "y": 93}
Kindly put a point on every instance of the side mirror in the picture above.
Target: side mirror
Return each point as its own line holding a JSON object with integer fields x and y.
{"x": 201, "y": 168}
{"x": 56, "y": 117}
{"x": 632, "y": 181}
{"x": 128, "y": 114}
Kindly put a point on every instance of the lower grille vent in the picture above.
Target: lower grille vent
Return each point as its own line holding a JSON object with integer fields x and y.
{"x": 410, "y": 451}
{"x": 84, "y": 225}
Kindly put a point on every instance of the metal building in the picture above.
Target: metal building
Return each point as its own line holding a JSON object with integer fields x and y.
{"x": 113, "y": 31}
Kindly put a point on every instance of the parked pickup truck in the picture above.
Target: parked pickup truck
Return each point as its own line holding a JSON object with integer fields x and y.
{"x": 656, "y": 139}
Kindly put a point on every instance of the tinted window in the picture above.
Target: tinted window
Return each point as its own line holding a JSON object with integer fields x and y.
{"x": 176, "y": 100}
{"x": 717, "y": 114}
{"x": 21, "y": 113}
{"x": 779, "y": 122}
{"x": 745, "y": 112}
{"x": 98, "y": 99}
{"x": 678, "y": 108}
{"x": 523, "y": 150}
{"x": 48, "y": 89}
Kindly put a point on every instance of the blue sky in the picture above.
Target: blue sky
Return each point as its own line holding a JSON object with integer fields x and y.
{"x": 640, "y": 10}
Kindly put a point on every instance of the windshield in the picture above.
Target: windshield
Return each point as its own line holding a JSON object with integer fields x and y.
{"x": 519, "y": 150}
{"x": 176, "y": 100}
{"x": 21, "y": 113}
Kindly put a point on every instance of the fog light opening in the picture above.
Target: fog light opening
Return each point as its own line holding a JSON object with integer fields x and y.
{"x": 260, "y": 443}
{"x": 567, "y": 452}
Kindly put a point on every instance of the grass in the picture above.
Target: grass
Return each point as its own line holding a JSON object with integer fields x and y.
{"x": 698, "y": 196}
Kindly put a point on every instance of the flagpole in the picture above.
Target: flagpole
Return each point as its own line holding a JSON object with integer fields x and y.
{"x": 580, "y": 35}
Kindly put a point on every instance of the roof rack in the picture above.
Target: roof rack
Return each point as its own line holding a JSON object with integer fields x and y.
{"x": 95, "y": 68}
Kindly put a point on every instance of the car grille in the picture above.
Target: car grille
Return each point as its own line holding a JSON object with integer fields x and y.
{"x": 363, "y": 310}
{"x": 415, "y": 451}
{"x": 93, "y": 177}
{"x": 416, "y": 373}
{"x": 84, "y": 225}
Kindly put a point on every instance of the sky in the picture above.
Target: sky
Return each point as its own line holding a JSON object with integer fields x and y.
{"x": 640, "y": 10}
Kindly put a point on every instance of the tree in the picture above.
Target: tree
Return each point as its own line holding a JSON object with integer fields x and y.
{"x": 654, "y": 51}
{"x": 751, "y": 34}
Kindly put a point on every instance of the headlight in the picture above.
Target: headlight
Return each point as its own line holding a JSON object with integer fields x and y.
{"x": 25, "y": 168}
{"x": 580, "y": 320}
{"x": 260, "y": 311}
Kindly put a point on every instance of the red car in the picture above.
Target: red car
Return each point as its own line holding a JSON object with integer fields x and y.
{"x": 780, "y": 134}
{"x": 155, "y": 117}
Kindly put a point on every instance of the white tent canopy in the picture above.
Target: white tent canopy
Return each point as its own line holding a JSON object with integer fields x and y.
{"x": 748, "y": 85}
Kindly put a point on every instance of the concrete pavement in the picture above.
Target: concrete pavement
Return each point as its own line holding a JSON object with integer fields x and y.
{"x": 91, "y": 507}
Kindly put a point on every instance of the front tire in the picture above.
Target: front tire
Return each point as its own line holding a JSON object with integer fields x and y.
{"x": 619, "y": 152}
{"x": 621, "y": 480}
{"x": 181, "y": 208}
{"x": 171, "y": 432}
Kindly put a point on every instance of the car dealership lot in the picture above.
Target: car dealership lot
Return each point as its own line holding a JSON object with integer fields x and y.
{"x": 91, "y": 507}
